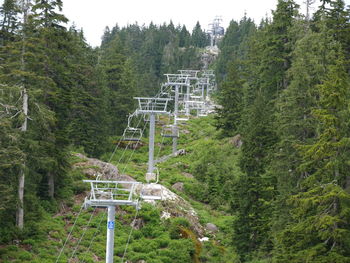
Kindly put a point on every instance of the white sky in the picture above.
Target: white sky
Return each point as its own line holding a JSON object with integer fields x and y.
{"x": 94, "y": 15}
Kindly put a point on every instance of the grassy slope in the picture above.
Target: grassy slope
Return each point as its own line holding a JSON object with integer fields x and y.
{"x": 159, "y": 240}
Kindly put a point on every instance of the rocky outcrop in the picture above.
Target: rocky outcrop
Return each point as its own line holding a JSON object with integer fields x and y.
{"x": 137, "y": 223}
{"x": 179, "y": 186}
{"x": 106, "y": 171}
{"x": 211, "y": 228}
{"x": 236, "y": 141}
{"x": 171, "y": 204}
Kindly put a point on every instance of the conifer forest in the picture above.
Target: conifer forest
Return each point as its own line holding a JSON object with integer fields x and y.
{"x": 249, "y": 158}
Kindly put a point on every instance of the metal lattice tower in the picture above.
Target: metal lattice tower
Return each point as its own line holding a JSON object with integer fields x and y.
{"x": 109, "y": 194}
{"x": 177, "y": 82}
{"x": 203, "y": 87}
{"x": 216, "y": 31}
{"x": 152, "y": 107}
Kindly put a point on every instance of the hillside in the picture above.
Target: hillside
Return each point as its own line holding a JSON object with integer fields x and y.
{"x": 162, "y": 233}
{"x": 266, "y": 179}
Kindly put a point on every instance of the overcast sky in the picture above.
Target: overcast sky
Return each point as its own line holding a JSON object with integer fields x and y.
{"x": 94, "y": 15}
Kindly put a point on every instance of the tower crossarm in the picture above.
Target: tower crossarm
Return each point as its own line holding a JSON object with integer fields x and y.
{"x": 152, "y": 105}
{"x": 112, "y": 193}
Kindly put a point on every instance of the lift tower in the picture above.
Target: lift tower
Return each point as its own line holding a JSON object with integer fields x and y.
{"x": 177, "y": 82}
{"x": 152, "y": 107}
{"x": 109, "y": 194}
{"x": 216, "y": 31}
{"x": 192, "y": 77}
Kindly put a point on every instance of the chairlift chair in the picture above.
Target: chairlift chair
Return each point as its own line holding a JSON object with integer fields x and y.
{"x": 170, "y": 131}
{"x": 132, "y": 134}
{"x": 182, "y": 119}
{"x": 152, "y": 191}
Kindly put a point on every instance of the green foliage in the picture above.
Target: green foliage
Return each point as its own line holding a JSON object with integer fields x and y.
{"x": 285, "y": 93}
{"x": 155, "y": 50}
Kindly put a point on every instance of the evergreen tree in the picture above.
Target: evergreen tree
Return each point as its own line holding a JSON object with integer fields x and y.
{"x": 253, "y": 192}
{"x": 320, "y": 230}
{"x": 294, "y": 122}
{"x": 268, "y": 61}
{"x": 231, "y": 102}
{"x": 184, "y": 37}
{"x": 120, "y": 80}
{"x": 9, "y": 21}
{"x": 233, "y": 46}
{"x": 199, "y": 37}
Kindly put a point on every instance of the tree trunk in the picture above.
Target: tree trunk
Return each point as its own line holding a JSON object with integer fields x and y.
{"x": 20, "y": 210}
{"x": 21, "y": 180}
{"x": 51, "y": 183}
{"x": 347, "y": 184}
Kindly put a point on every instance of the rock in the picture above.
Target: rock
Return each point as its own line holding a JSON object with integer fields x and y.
{"x": 165, "y": 215}
{"x": 179, "y": 186}
{"x": 137, "y": 224}
{"x": 125, "y": 177}
{"x": 185, "y": 131}
{"x": 94, "y": 167}
{"x": 181, "y": 152}
{"x": 188, "y": 175}
{"x": 81, "y": 156}
{"x": 236, "y": 141}
{"x": 203, "y": 239}
{"x": 90, "y": 172}
{"x": 211, "y": 227}
{"x": 141, "y": 261}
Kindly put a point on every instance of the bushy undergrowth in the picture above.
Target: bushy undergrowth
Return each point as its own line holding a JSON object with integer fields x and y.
{"x": 206, "y": 163}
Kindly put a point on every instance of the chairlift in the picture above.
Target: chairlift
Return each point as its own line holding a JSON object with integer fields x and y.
{"x": 182, "y": 119}
{"x": 132, "y": 134}
{"x": 170, "y": 131}
{"x": 152, "y": 191}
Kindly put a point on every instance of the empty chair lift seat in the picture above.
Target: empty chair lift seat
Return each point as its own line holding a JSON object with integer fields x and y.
{"x": 132, "y": 134}
{"x": 170, "y": 131}
{"x": 152, "y": 191}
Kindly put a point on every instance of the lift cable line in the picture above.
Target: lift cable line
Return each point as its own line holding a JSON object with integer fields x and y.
{"x": 129, "y": 141}
{"x": 95, "y": 207}
{"x": 130, "y": 233}
{"x": 82, "y": 235}
{"x": 132, "y": 153}
{"x": 111, "y": 193}
{"x": 84, "y": 204}
{"x": 70, "y": 233}
{"x": 95, "y": 234}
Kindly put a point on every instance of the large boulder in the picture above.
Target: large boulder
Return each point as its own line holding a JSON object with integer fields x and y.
{"x": 179, "y": 186}
{"x": 137, "y": 224}
{"x": 93, "y": 167}
{"x": 211, "y": 227}
{"x": 236, "y": 141}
